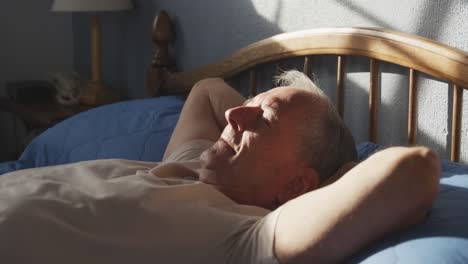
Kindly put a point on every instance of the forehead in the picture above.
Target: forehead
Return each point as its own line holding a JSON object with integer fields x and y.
{"x": 286, "y": 98}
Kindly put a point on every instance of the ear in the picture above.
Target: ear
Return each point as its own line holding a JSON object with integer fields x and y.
{"x": 307, "y": 180}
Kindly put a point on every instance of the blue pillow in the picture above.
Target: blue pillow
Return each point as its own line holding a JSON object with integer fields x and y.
{"x": 441, "y": 238}
{"x": 136, "y": 130}
{"x": 365, "y": 149}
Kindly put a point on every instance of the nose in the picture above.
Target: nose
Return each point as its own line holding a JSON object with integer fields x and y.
{"x": 243, "y": 117}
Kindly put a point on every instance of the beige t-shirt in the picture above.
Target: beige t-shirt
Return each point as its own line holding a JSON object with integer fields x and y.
{"x": 116, "y": 211}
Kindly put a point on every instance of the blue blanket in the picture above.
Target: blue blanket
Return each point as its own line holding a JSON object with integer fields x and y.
{"x": 136, "y": 130}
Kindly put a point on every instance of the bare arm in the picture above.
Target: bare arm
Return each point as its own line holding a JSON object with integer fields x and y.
{"x": 202, "y": 116}
{"x": 390, "y": 191}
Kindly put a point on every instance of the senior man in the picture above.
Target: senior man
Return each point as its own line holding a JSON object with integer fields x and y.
{"x": 270, "y": 148}
{"x": 290, "y": 142}
{"x": 256, "y": 181}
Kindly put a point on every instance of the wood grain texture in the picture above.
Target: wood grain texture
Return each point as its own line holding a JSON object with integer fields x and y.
{"x": 95, "y": 92}
{"x": 412, "y": 108}
{"x": 456, "y": 123}
{"x": 340, "y": 71}
{"x": 308, "y": 66}
{"x": 96, "y": 73}
{"x": 373, "y": 99}
{"x": 422, "y": 54}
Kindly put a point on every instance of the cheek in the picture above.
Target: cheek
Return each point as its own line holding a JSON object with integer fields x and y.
{"x": 274, "y": 153}
{"x": 261, "y": 145}
{"x": 214, "y": 158}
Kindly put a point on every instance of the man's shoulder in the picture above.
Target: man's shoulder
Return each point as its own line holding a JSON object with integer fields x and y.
{"x": 189, "y": 151}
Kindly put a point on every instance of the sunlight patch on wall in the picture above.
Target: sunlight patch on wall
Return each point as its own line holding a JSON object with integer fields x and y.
{"x": 356, "y": 112}
{"x": 270, "y": 10}
{"x": 302, "y": 14}
{"x": 464, "y": 129}
{"x": 393, "y": 108}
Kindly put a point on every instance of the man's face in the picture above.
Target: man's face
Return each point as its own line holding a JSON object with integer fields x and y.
{"x": 258, "y": 151}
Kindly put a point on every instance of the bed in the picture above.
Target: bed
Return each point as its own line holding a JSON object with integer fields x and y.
{"x": 140, "y": 129}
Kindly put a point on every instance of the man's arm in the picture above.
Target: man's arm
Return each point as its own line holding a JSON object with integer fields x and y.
{"x": 390, "y": 191}
{"x": 202, "y": 116}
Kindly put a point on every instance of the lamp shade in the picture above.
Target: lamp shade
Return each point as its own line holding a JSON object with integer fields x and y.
{"x": 91, "y": 5}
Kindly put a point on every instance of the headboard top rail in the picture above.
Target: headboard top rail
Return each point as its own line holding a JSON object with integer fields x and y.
{"x": 412, "y": 51}
{"x": 384, "y": 34}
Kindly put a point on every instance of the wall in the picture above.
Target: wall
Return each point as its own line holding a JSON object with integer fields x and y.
{"x": 207, "y": 30}
{"x": 35, "y": 43}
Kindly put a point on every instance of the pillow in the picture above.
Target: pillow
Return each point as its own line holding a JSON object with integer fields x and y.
{"x": 136, "y": 130}
{"x": 441, "y": 238}
{"x": 365, "y": 149}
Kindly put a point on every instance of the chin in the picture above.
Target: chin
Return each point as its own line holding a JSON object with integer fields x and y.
{"x": 209, "y": 164}
{"x": 206, "y": 159}
{"x": 215, "y": 168}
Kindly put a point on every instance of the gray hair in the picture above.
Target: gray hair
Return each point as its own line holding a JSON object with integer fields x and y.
{"x": 328, "y": 144}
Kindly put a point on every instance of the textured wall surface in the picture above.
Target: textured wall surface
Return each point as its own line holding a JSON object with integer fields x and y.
{"x": 35, "y": 43}
{"x": 208, "y": 30}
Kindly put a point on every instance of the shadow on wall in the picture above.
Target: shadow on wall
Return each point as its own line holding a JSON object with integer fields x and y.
{"x": 206, "y": 30}
{"x": 393, "y": 98}
{"x": 430, "y": 25}
{"x": 362, "y": 12}
{"x": 430, "y": 28}
{"x": 393, "y": 103}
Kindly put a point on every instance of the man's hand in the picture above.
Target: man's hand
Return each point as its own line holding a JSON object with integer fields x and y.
{"x": 390, "y": 191}
{"x": 203, "y": 114}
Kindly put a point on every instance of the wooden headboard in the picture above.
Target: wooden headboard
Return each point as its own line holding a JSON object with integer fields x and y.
{"x": 416, "y": 53}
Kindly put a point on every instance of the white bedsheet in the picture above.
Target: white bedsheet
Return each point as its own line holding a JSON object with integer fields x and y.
{"x": 105, "y": 212}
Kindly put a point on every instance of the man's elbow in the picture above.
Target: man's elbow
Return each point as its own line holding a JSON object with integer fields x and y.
{"x": 425, "y": 175}
{"x": 429, "y": 164}
{"x": 206, "y": 89}
{"x": 207, "y": 83}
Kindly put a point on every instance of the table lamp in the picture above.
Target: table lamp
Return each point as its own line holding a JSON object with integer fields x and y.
{"x": 95, "y": 92}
